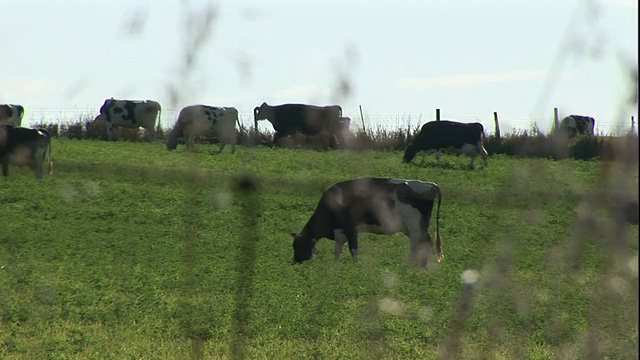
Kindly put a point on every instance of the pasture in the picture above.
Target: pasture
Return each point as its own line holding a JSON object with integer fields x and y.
{"x": 132, "y": 251}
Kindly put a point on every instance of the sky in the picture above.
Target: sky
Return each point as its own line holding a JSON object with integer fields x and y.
{"x": 397, "y": 60}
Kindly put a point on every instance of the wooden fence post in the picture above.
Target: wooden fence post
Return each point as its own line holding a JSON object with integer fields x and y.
{"x": 437, "y": 114}
{"x": 556, "y": 123}
{"x": 362, "y": 119}
{"x": 633, "y": 124}
{"x": 495, "y": 119}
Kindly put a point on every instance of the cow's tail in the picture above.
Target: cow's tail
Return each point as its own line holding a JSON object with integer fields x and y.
{"x": 159, "y": 119}
{"x": 438, "y": 239}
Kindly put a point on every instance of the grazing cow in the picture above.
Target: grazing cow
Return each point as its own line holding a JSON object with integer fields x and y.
{"x": 131, "y": 114}
{"x": 448, "y": 135}
{"x": 204, "y": 120}
{"x": 24, "y": 147}
{"x": 577, "y": 124}
{"x": 11, "y": 114}
{"x": 374, "y": 205}
{"x": 288, "y": 119}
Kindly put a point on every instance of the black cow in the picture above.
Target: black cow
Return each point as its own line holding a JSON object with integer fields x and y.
{"x": 374, "y": 205}
{"x": 448, "y": 135}
{"x": 11, "y": 114}
{"x": 573, "y": 125}
{"x": 24, "y": 147}
{"x": 288, "y": 119}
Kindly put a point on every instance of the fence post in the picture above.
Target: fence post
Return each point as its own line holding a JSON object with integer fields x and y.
{"x": 556, "y": 123}
{"x": 437, "y": 114}
{"x": 495, "y": 119}
{"x": 362, "y": 119}
{"x": 633, "y": 123}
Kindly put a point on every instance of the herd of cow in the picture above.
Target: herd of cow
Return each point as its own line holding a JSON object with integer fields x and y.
{"x": 367, "y": 204}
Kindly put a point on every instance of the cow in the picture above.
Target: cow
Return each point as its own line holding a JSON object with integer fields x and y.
{"x": 11, "y": 114}
{"x": 311, "y": 120}
{"x": 573, "y": 125}
{"x": 21, "y": 146}
{"x": 384, "y": 206}
{"x": 436, "y": 136}
{"x": 205, "y": 120}
{"x": 131, "y": 114}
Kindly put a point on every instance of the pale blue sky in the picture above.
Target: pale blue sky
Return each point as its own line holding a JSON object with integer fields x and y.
{"x": 402, "y": 59}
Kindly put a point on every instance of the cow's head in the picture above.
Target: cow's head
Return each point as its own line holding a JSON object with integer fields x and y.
{"x": 260, "y": 113}
{"x": 410, "y": 152}
{"x": 172, "y": 141}
{"x": 302, "y": 248}
{"x": 106, "y": 104}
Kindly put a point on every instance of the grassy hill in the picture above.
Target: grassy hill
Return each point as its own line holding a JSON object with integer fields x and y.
{"x": 131, "y": 251}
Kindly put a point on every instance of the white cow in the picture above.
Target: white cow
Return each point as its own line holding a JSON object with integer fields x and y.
{"x": 131, "y": 114}
{"x": 205, "y": 120}
{"x": 11, "y": 114}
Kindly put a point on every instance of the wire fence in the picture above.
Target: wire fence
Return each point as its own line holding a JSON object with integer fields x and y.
{"x": 169, "y": 116}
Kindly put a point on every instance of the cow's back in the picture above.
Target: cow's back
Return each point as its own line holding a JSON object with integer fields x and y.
{"x": 307, "y": 119}
{"x": 444, "y": 134}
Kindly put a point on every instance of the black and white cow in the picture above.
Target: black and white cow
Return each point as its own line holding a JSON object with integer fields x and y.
{"x": 311, "y": 120}
{"x": 24, "y": 147}
{"x": 11, "y": 114}
{"x": 573, "y": 125}
{"x": 131, "y": 114}
{"x": 373, "y": 205}
{"x": 436, "y": 136}
{"x": 205, "y": 120}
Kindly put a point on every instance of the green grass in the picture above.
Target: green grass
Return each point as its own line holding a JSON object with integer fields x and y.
{"x": 132, "y": 252}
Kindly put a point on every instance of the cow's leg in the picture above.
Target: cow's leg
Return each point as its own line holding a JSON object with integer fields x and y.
{"x": 223, "y": 143}
{"x": 191, "y": 139}
{"x": 333, "y": 141}
{"x": 352, "y": 239}
{"x": 473, "y": 159}
{"x": 415, "y": 234}
{"x": 438, "y": 156}
{"x": 109, "y": 128}
{"x": 425, "y": 248}
{"x": 340, "y": 238}
{"x": 152, "y": 133}
{"x": 233, "y": 140}
{"x": 483, "y": 153}
{"x": 276, "y": 136}
{"x": 39, "y": 159}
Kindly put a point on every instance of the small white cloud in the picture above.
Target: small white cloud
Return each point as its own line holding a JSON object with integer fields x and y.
{"x": 471, "y": 79}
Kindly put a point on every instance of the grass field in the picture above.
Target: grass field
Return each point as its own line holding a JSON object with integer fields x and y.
{"x": 132, "y": 252}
